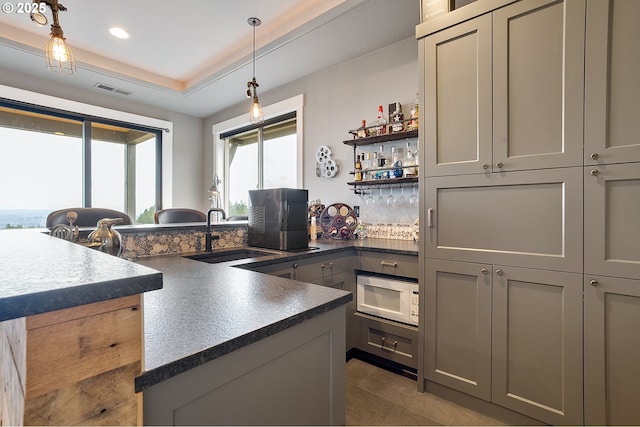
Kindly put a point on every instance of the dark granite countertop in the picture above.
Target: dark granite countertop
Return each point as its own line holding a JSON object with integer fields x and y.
{"x": 40, "y": 273}
{"x": 205, "y": 311}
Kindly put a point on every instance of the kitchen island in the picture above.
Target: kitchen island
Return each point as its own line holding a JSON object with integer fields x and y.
{"x": 225, "y": 345}
{"x": 70, "y": 332}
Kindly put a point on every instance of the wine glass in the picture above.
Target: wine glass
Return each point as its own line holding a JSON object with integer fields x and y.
{"x": 413, "y": 200}
{"x": 402, "y": 201}
{"x": 380, "y": 201}
{"x": 391, "y": 200}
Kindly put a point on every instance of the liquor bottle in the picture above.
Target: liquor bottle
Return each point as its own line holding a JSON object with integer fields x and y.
{"x": 381, "y": 158}
{"x": 397, "y": 163}
{"x": 397, "y": 119}
{"x": 363, "y": 132}
{"x": 367, "y": 162}
{"x": 409, "y": 162}
{"x": 413, "y": 124}
{"x": 358, "y": 169}
{"x": 381, "y": 122}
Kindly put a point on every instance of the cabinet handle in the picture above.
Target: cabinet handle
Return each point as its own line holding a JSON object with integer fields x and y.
{"x": 594, "y": 156}
{"x": 484, "y": 271}
{"x": 430, "y": 217}
{"x": 499, "y": 272}
{"x": 594, "y": 283}
{"x": 485, "y": 166}
{"x": 388, "y": 264}
{"x": 499, "y": 164}
{"x": 295, "y": 265}
{"x": 325, "y": 265}
{"x": 383, "y": 341}
{"x": 594, "y": 172}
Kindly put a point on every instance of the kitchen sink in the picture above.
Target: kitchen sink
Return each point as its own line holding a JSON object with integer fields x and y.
{"x": 230, "y": 255}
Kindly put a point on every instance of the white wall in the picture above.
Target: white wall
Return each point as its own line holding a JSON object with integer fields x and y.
{"x": 336, "y": 100}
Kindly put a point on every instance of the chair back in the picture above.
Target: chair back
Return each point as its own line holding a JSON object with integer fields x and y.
{"x": 177, "y": 215}
{"x": 87, "y": 217}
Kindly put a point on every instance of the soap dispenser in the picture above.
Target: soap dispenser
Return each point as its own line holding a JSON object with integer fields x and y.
{"x": 105, "y": 239}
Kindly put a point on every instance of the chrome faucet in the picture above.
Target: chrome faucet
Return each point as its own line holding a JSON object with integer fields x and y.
{"x": 209, "y": 237}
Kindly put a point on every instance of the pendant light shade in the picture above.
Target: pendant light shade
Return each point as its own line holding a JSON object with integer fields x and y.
{"x": 255, "y": 111}
{"x": 57, "y": 53}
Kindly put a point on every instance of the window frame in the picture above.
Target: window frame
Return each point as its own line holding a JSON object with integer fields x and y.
{"x": 88, "y": 114}
{"x": 282, "y": 108}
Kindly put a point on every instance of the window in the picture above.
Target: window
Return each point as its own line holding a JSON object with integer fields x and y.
{"x": 266, "y": 155}
{"x": 260, "y": 158}
{"x": 52, "y": 159}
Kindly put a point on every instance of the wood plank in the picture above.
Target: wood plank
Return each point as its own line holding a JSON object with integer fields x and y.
{"x": 106, "y": 399}
{"x": 67, "y": 314}
{"x": 68, "y": 352}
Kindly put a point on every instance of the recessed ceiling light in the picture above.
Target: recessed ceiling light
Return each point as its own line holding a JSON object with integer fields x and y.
{"x": 119, "y": 33}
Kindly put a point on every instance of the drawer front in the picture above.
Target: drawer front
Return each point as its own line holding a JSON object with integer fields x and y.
{"x": 397, "y": 265}
{"x": 390, "y": 341}
{"x": 284, "y": 269}
{"x": 324, "y": 266}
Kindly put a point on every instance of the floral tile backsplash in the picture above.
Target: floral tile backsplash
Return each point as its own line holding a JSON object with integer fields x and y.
{"x": 137, "y": 245}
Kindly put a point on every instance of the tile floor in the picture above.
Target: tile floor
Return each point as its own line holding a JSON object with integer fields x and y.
{"x": 379, "y": 397}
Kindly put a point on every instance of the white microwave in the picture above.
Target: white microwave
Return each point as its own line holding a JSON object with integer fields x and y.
{"x": 388, "y": 298}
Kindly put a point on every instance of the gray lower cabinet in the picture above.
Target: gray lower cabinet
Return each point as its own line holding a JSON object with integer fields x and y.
{"x": 287, "y": 269}
{"x": 537, "y": 343}
{"x": 390, "y": 340}
{"x": 509, "y": 335}
{"x": 294, "y": 377}
{"x": 612, "y": 220}
{"x": 458, "y": 326}
{"x": 612, "y": 350}
{"x": 389, "y": 263}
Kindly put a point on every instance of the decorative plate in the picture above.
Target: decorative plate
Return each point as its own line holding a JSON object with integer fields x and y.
{"x": 338, "y": 221}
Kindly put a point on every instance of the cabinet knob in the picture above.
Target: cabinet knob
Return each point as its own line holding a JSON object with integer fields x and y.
{"x": 295, "y": 265}
{"x": 594, "y": 156}
{"x": 485, "y": 166}
{"x": 499, "y": 164}
{"x": 594, "y": 283}
{"x": 327, "y": 265}
{"x": 484, "y": 271}
{"x": 499, "y": 272}
{"x": 594, "y": 172}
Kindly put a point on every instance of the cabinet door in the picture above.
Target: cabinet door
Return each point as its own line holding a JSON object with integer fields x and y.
{"x": 457, "y": 101}
{"x": 612, "y": 220}
{"x": 611, "y": 351}
{"x": 458, "y": 326}
{"x": 526, "y": 218}
{"x": 612, "y": 87}
{"x": 537, "y": 343}
{"x": 538, "y": 75}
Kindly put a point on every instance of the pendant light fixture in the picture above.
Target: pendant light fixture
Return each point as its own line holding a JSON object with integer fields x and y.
{"x": 57, "y": 53}
{"x": 255, "y": 112}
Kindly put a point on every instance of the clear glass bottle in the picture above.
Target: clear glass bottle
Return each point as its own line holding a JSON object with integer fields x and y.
{"x": 363, "y": 132}
{"x": 381, "y": 157}
{"x": 397, "y": 118}
{"x": 415, "y": 111}
{"x": 397, "y": 164}
{"x": 409, "y": 162}
{"x": 381, "y": 122}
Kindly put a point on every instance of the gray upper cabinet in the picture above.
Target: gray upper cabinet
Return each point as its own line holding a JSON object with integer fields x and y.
{"x": 457, "y": 125}
{"x": 526, "y": 218}
{"x": 612, "y": 220}
{"x": 612, "y": 86}
{"x": 504, "y": 91}
{"x": 537, "y": 343}
{"x": 612, "y": 351}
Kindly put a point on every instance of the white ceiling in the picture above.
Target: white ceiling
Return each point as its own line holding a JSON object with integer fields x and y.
{"x": 194, "y": 56}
